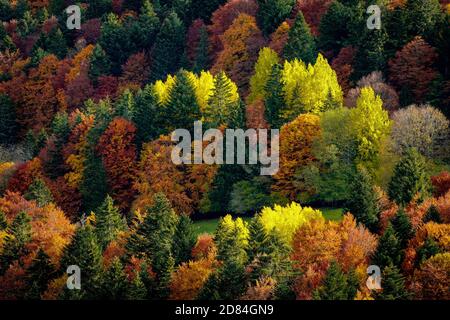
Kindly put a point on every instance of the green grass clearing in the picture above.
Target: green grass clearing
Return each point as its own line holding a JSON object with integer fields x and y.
{"x": 210, "y": 225}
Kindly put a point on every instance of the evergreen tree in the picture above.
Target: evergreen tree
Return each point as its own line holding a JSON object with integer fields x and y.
{"x": 393, "y": 285}
{"x": 125, "y": 105}
{"x": 274, "y": 101}
{"x": 402, "y": 227}
{"x": 340, "y": 26}
{"x": 39, "y": 274}
{"x": 14, "y": 244}
{"x": 301, "y": 43}
{"x": 184, "y": 240}
{"x": 432, "y": 215}
{"x": 155, "y": 237}
{"x": 168, "y": 48}
{"x": 84, "y": 252}
{"x": 136, "y": 290}
{"x": 201, "y": 61}
{"x": 108, "y": 222}
{"x": 427, "y": 250}
{"x": 116, "y": 42}
{"x": 52, "y": 43}
{"x": 3, "y": 221}
{"x": 148, "y": 116}
{"x": 142, "y": 31}
{"x": 182, "y": 105}
{"x": 422, "y": 17}
{"x": 204, "y": 9}
{"x": 96, "y": 8}
{"x": 223, "y": 105}
{"x": 93, "y": 187}
{"x": 114, "y": 283}
{"x": 272, "y": 13}
{"x": 335, "y": 286}
{"x": 56, "y": 7}
{"x": 371, "y": 54}
{"x": 99, "y": 63}
{"x": 8, "y": 125}
{"x": 39, "y": 192}
{"x": 228, "y": 282}
{"x": 389, "y": 249}
{"x": 362, "y": 203}
{"x": 409, "y": 179}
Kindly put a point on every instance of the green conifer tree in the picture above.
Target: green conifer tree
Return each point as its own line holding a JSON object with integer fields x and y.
{"x": 84, "y": 252}
{"x": 402, "y": 227}
{"x": 8, "y": 125}
{"x": 184, "y": 240}
{"x": 39, "y": 275}
{"x": 301, "y": 43}
{"x": 14, "y": 244}
{"x": 39, "y": 192}
{"x": 272, "y": 13}
{"x": 274, "y": 101}
{"x": 389, "y": 249}
{"x": 182, "y": 105}
{"x": 393, "y": 285}
{"x": 168, "y": 48}
{"x": 108, "y": 222}
{"x": 363, "y": 202}
{"x": 410, "y": 178}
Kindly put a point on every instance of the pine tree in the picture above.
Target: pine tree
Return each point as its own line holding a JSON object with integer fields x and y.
{"x": 93, "y": 188}
{"x": 363, "y": 202}
{"x": 257, "y": 239}
{"x": 223, "y": 105}
{"x": 393, "y": 285}
{"x": 184, "y": 240}
{"x": 8, "y": 126}
{"x": 274, "y": 102}
{"x": 136, "y": 289}
{"x": 267, "y": 58}
{"x": 201, "y": 61}
{"x": 427, "y": 250}
{"x": 204, "y": 9}
{"x": 114, "y": 283}
{"x": 148, "y": 116}
{"x": 334, "y": 285}
{"x": 108, "y": 222}
{"x": 99, "y": 63}
{"x": 14, "y": 244}
{"x": 168, "y": 48}
{"x": 402, "y": 227}
{"x": 182, "y": 105}
{"x": 227, "y": 283}
{"x": 389, "y": 249}
{"x": 432, "y": 215}
{"x": 301, "y": 43}
{"x": 53, "y": 42}
{"x": 97, "y": 8}
{"x": 409, "y": 179}
{"x": 155, "y": 237}
{"x": 39, "y": 274}
{"x": 84, "y": 252}
{"x": 272, "y": 13}
{"x": 3, "y": 221}
{"x": 39, "y": 192}
{"x": 125, "y": 105}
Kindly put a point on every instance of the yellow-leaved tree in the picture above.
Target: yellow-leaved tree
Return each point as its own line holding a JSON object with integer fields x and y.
{"x": 286, "y": 220}
{"x": 263, "y": 68}
{"x": 370, "y": 125}
{"x": 310, "y": 88}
